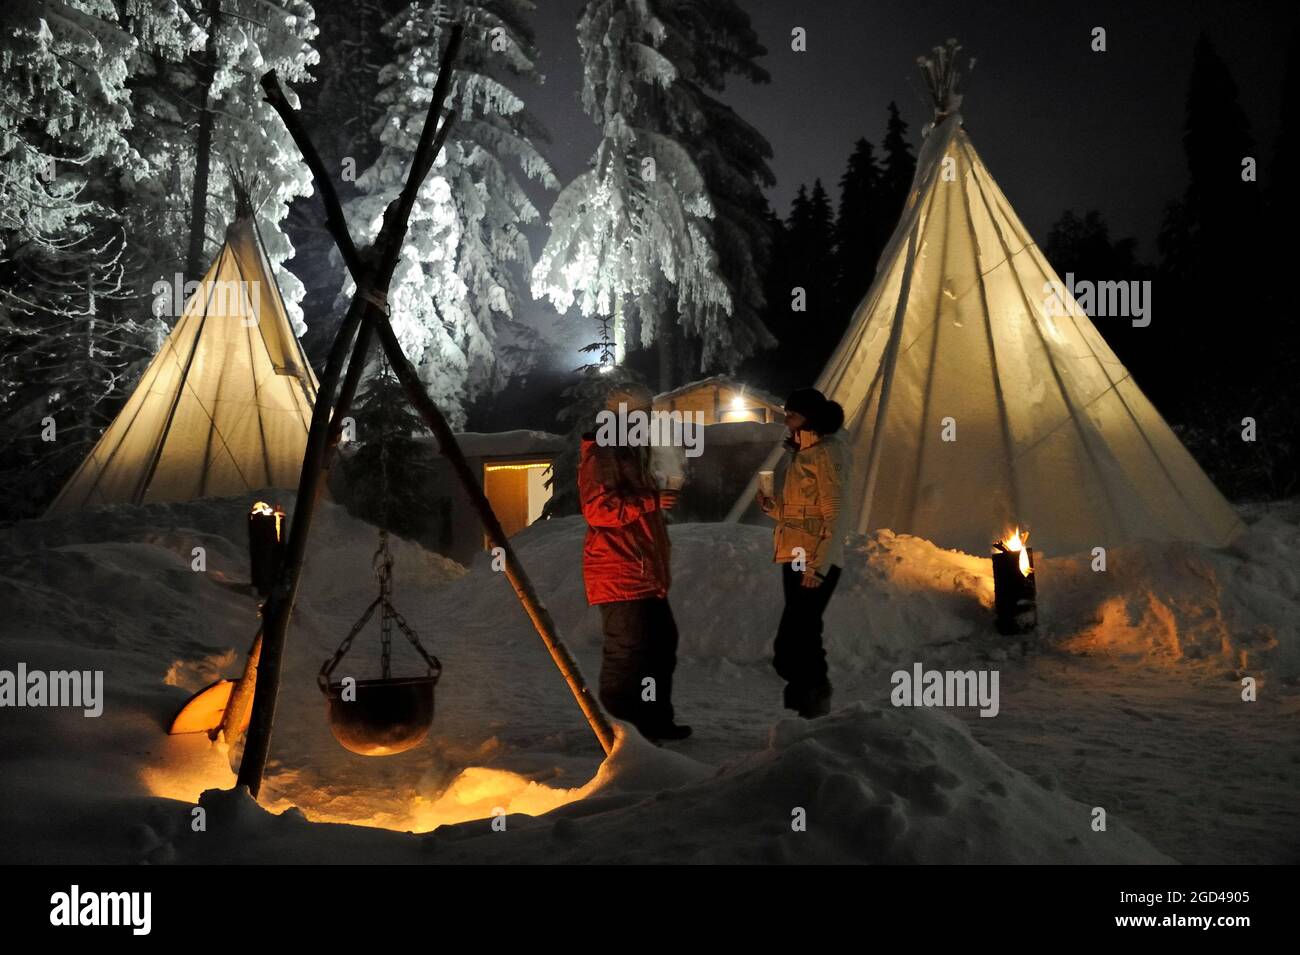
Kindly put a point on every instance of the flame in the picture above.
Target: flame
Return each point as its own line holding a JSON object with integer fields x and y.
{"x": 1015, "y": 542}
{"x": 192, "y": 764}
{"x": 262, "y": 509}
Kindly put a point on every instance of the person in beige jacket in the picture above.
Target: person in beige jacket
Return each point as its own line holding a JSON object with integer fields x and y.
{"x": 809, "y": 545}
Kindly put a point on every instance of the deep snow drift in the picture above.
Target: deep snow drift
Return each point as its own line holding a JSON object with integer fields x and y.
{"x": 1127, "y": 699}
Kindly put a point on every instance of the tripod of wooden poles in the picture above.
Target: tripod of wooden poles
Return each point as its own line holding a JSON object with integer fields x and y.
{"x": 372, "y": 271}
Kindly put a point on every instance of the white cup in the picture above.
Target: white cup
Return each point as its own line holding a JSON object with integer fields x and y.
{"x": 767, "y": 483}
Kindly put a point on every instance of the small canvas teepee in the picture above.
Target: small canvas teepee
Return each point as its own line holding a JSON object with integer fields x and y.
{"x": 978, "y": 395}
{"x": 224, "y": 406}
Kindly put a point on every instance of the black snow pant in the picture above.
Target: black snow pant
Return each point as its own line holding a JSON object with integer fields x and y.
{"x": 798, "y": 654}
{"x": 640, "y": 642}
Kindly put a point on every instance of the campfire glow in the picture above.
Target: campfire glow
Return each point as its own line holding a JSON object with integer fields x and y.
{"x": 193, "y": 765}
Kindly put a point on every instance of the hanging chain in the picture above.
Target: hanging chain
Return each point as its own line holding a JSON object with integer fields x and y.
{"x": 323, "y": 678}
{"x": 382, "y": 565}
{"x": 383, "y": 560}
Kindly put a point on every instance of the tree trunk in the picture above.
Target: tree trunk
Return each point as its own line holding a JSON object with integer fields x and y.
{"x": 620, "y": 333}
{"x": 664, "y": 343}
{"x": 203, "y": 148}
{"x": 87, "y": 415}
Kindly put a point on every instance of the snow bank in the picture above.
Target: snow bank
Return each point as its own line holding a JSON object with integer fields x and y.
{"x": 121, "y": 590}
{"x": 903, "y": 599}
{"x": 117, "y": 590}
{"x": 866, "y": 785}
{"x": 1166, "y": 603}
{"x": 902, "y": 595}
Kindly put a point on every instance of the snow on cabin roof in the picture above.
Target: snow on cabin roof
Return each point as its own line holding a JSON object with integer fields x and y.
{"x": 722, "y": 381}
{"x": 504, "y": 444}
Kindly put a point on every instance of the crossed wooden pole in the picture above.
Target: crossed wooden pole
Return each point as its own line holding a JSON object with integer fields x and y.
{"x": 367, "y": 315}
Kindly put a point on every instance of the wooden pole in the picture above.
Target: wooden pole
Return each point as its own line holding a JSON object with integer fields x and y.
{"x": 515, "y": 573}
{"x": 241, "y": 695}
{"x": 537, "y": 612}
{"x": 372, "y": 287}
{"x": 372, "y": 274}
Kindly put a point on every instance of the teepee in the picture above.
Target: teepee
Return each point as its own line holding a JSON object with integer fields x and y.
{"x": 978, "y": 395}
{"x": 224, "y": 406}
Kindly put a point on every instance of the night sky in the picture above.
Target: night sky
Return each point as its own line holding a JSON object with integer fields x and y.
{"x": 1059, "y": 126}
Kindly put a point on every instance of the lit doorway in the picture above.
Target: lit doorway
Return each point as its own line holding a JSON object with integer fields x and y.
{"x": 517, "y": 492}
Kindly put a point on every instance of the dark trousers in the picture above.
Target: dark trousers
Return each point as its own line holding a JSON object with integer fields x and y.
{"x": 798, "y": 654}
{"x": 640, "y": 642}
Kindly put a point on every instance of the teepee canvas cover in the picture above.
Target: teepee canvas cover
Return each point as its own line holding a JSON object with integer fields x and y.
{"x": 224, "y": 406}
{"x": 1051, "y": 431}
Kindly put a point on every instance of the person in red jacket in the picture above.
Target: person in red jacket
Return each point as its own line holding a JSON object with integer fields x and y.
{"x": 625, "y": 566}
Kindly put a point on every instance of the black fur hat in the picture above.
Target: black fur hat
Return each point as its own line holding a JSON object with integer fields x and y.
{"x": 824, "y": 416}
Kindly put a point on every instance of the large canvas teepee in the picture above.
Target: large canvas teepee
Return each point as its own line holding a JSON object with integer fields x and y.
{"x": 1048, "y": 429}
{"x": 224, "y": 406}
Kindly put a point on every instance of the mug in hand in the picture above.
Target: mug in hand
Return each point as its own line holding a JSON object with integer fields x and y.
{"x": 767, "y": 483}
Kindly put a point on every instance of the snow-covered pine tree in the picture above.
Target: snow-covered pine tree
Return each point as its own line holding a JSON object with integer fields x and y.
{"x": 249, "y": 141}
{"x": 66, "y": 363}
{"x": 343, "y": 101}
{"x": 153, "y": 195}
{"x": 63, "y": 106}
{"x": 635, "y": 236}
{"x": 709, "y": 43}
{"x": 465, "y": 248}
{"x": 65, "y": 340}
{"x": 64, "y": 103}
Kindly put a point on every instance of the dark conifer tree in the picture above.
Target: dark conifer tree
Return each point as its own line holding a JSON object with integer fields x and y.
{"x": 1282, "y": 194}
{"x": 827, "y": 323}
{"x": 857, "y": 232}
{"x": 1081, "y": 247}
{"x": 898, "y": 166}
{"x": 1211, "y": 239}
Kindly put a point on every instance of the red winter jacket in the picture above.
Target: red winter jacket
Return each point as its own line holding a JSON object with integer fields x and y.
{"x": 626, "y": 553}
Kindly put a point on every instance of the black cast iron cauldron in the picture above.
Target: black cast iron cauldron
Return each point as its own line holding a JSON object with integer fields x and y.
{"x": 388, "y": 716}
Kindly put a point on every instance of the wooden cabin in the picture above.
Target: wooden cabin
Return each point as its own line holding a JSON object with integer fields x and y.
{"x": 723, "y": 400}
{"x": 514, "y": 467}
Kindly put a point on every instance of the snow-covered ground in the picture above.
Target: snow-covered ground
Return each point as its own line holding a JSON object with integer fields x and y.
{"x": 1128, "y": 699}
